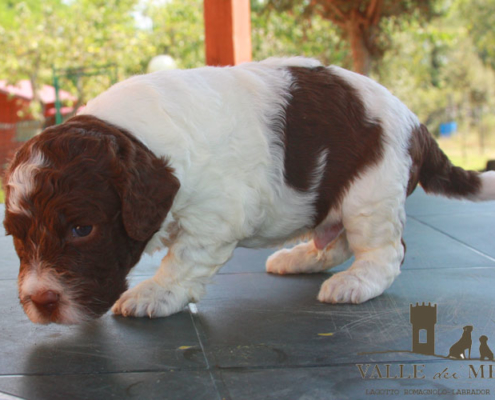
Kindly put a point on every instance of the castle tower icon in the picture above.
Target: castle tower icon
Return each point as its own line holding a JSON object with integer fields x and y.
{"x": 423, "y": 319}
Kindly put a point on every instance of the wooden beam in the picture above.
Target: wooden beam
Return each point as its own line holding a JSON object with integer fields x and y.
{"x": 227, "y": 31}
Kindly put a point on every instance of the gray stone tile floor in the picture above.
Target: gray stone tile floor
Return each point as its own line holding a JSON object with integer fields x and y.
{"x": 260, "y": 336}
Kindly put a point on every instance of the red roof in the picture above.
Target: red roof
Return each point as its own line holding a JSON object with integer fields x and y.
{"x": 23, "y": 89}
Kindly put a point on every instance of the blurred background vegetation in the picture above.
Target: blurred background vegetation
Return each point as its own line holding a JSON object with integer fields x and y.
{"x": 437, "y": 56}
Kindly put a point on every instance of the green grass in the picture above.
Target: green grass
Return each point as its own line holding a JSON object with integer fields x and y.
{"x": 464, "y": 150}
{"x": 2, "y": 195}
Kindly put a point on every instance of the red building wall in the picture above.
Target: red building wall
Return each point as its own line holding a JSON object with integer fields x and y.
{"x": 9, "y": 107}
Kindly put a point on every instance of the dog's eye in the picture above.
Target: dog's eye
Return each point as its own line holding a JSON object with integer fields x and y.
{"x": 81, "y": 230}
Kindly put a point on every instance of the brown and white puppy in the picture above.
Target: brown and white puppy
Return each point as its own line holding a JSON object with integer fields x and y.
{"x": 205, "y": 160}
{"x": 82, "y": 202}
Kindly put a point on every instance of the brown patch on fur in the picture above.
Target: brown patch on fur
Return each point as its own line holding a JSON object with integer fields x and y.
{"x": 434, "y": 171}
{"x": 96, "y": 174}
{"x": 326, "y": 114}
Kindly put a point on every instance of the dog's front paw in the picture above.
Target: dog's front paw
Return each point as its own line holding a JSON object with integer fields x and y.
{"x": 345, "y": 287}
{"x": 150, "y": 299}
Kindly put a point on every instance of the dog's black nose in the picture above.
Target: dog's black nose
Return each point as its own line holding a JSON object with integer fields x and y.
{"x": 46, "y": 301}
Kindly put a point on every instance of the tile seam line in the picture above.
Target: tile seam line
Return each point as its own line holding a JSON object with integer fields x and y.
{"x": 208, "y": 367}
{"x": 199, "y": 339}
{"x": 454, "y": 238}
{"x": 138, "y": 371}
{"x": 232, "y": 368}
{"x": 446, "y": 268}
{"x": 415, "y": 215}
{"x": 338, "y": 365}
{"x": 14, "y": 396}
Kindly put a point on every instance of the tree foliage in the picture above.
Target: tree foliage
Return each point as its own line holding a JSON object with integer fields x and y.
{"x": 37, "y": 36}
{"x": 359, "y": 22}
{"x": 479, "y": 20}
{"x": 291, "y": 33}
{"x": 442, "y": 70}
{"x": 440, "y": 73}
{"x": 41, "y": 35}
{"x": 178, "y": 30}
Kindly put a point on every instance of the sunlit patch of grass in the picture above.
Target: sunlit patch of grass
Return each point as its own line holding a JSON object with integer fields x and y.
{"x": 2, "y": 194}
{"x": 464, "y": 150}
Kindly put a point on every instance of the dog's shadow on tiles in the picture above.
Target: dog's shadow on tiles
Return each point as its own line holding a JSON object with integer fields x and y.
{"x": 102, "y": 351}
{"x": 114, "y": 344}
{"x": 71, "y": 352}
{"x": 68, "y": 350}
{"x": 80, "y": 357}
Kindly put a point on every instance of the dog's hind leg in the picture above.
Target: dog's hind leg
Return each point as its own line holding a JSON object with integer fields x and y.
{"x": 307, "y": 258}
{"x": 373, "y": 217}
{"x": 379, "y": 252}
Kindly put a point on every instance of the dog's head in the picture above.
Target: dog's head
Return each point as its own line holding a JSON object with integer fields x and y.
{"x": 468, "y": 329}
{"x": 483, "y": 339}
{"x": 82, "y": 201}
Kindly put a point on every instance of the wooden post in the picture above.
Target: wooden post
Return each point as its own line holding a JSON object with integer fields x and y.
{"x": 227, "y": 31}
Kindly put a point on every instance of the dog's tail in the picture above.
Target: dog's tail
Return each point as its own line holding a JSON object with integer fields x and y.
{"x": 436, "y": 174}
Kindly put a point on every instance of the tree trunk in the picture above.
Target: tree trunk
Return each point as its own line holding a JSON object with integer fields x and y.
{"x": 361, "y": 56}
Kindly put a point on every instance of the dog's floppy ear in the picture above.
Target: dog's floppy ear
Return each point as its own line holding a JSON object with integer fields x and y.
{"x": 147, "y": 194}
{"x": 146, "y": 184}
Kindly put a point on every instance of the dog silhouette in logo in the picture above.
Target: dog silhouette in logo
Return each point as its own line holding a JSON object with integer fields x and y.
{"x": 485, "y": 352}
{"x": 459, "y": 348}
